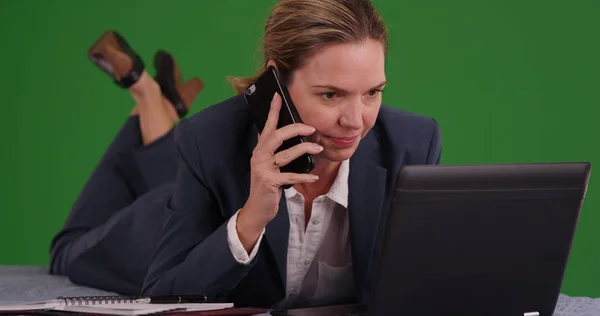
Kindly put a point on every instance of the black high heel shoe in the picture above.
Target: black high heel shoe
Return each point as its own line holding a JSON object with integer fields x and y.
{"x": 114, "y": 56}
{"x": 168, "y": 77}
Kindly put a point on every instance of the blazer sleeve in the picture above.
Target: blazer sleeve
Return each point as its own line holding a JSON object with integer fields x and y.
{"x": 193, "y": 255}
{"x": 435, "y": 146}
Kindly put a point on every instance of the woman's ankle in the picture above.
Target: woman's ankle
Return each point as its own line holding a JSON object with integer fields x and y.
{"x": 171, "y": 112}
{"x": 146, "y": 87}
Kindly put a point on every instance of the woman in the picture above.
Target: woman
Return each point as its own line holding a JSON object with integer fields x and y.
{"x": 109, "y": 236}
{"x": 231, "y": 232}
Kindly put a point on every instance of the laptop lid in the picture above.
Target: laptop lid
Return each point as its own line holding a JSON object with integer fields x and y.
{"x": 478, "y": 239}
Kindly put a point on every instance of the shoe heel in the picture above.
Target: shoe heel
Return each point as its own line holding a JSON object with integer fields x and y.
{"x": 188, "y": 91}
{"x": 111, "y": 53}
{"x": 166, "y": 67}
{"x": 169, "y": 76}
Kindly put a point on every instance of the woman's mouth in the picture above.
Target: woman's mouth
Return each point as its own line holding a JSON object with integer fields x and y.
{"x": 344, "y": 142}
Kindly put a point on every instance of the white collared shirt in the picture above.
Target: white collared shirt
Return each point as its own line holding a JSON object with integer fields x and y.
{"x": 319, "y": 260}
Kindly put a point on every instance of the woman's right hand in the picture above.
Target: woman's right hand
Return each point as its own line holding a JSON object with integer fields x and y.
{"x": 266, "y": 179}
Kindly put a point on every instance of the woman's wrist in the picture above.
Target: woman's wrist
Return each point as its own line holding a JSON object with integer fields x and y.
{"x": 249, "y": 228}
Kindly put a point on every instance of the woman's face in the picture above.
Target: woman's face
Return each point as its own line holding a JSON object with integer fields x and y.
{"x": 338, "y": 91}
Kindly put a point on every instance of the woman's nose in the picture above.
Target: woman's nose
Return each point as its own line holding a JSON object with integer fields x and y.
{"x": 352, "y": 116}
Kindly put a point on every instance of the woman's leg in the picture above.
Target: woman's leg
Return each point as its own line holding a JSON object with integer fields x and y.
{"x": 142, "y": 157}
{"x": 154, "y": 120}
{"x": 120, "y": 176}
{"x": 115, "y": 255}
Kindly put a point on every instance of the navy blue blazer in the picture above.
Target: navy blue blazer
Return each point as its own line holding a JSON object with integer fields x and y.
{"x": 193, "y": 256}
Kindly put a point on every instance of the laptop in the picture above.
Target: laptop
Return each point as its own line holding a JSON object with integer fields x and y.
{"x": 474, "y": 240}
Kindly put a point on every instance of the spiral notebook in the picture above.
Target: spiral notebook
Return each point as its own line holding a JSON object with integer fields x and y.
{"x": 111, "y": 305}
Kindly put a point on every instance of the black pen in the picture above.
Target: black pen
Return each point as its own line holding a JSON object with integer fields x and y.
{"x": 172, "y": 299}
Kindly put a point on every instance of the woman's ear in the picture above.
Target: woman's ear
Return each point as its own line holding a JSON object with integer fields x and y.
{"x": 271, "y": 62}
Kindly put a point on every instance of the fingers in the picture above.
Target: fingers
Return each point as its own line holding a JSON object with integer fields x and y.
{"x": 295, "y": 178}
{"x": 273, "y": 117}
{"x": 286, "y": 156}
{"x": 268, "y": 176}
{"x": 279, "y": 136}
{"x": 271, "y": 138}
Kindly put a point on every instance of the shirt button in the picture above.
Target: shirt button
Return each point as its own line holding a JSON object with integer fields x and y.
{"x": 316, "y": 222}
{"x": 307, "y": 262}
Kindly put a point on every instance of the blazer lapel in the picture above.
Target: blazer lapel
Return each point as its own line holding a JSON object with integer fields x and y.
{"x": 366, "y": 192}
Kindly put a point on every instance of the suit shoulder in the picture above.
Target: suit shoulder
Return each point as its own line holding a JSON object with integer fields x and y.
{"x": 219, "y": 115}
{"x": 390, "y": 115}
{"x": 215, "y": 138}
{"x": 400, "y": 126}
{"x": 216, "y": 126}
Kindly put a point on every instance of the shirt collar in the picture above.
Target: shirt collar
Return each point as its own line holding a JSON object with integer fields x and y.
{"x": 339, "y": 189}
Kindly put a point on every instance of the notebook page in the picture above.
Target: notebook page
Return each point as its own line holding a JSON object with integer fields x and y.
{"x": 147, "y": 306}
{"x": 144, "y": 308}
{"x": 29, "y": 306}
{"x": 105, "y": 310}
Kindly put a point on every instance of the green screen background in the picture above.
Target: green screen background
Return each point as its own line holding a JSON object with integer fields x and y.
{"x": 508, "y": 81}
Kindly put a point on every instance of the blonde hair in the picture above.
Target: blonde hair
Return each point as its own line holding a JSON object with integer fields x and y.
{"x": 296, "y": 29}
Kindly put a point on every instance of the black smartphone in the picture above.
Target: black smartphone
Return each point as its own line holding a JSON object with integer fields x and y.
{"x": 259, "y": 96}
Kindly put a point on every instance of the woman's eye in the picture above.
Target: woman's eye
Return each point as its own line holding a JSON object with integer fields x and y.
{"x": 328, "y": 95}
{"x": 374, "y": 92}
